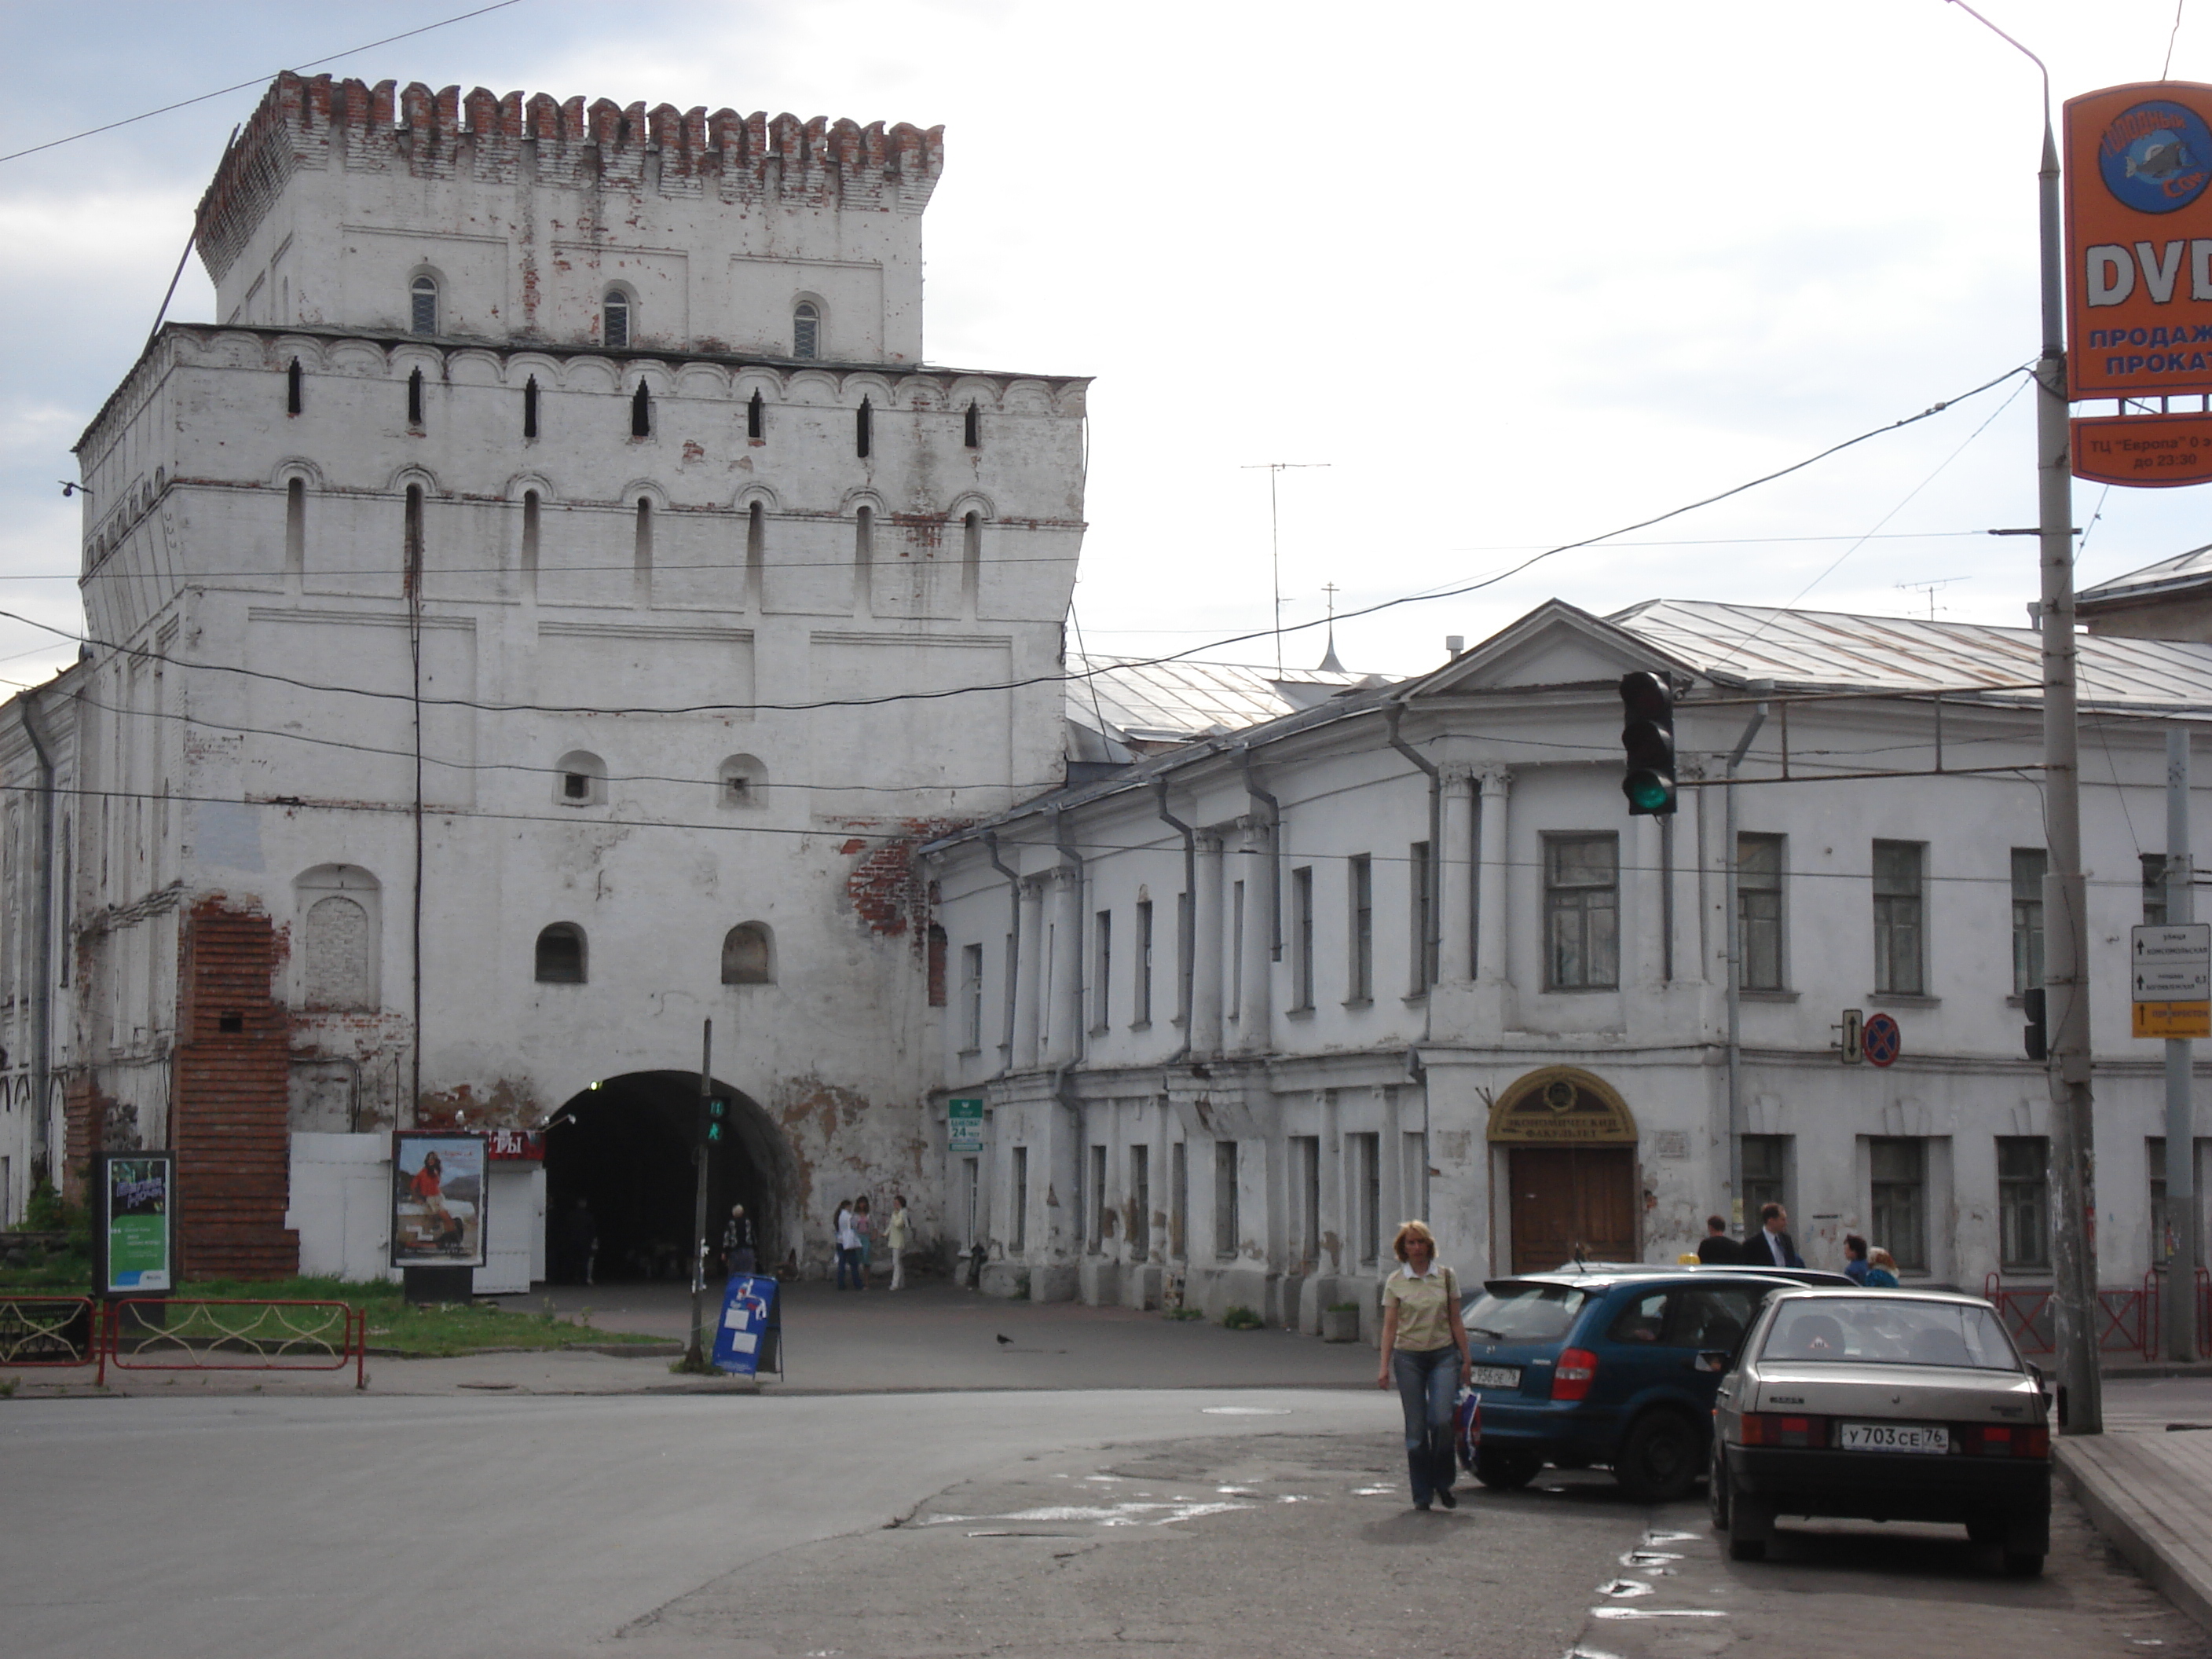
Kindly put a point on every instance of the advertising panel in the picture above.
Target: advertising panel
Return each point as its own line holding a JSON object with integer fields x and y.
{"x": 746, "y": 1338}
{"x": 964, "y": 1125}
{"x": 2146, "y": 451}
{"x": 2139, "y": 241}
{"x": 137, "y": 1236}
{"x": 438, "y": 1189}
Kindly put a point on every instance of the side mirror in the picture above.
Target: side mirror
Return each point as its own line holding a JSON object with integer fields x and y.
{"x": 1711, "y": 1359}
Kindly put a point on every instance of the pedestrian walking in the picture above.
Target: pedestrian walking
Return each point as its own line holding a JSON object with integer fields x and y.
{"x": 1855, "y": 1258}
{"x": 864, "y": 1229}
{"x": 1772, "y": 1245}
{"x": 898, "y": 1234}
{"x": 1716, "y": 1248}
{"x": 849, "y": 1246}
{"x": 1425, "y": 1353}
{"x": 1882, "y": 1270}
{"x": 737, "y": 1243}
{"x": 579, "y": 1243}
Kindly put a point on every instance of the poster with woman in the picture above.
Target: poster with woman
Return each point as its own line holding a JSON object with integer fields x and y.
{"x": 437, "y": 1200}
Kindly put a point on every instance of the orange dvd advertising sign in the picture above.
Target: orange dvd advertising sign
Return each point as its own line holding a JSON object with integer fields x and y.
{"x": 2138, "y": 186}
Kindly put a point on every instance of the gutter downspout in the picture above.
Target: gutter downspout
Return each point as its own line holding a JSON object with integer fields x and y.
{"x": 1274, "y": 852}
{"x": 1735, "y": 966}
{"x": 1185, "y": 924}
{"x": 1014, "y": 946}
{"x": 1060, "y": 1091}
{"x": 42, "y": 1001}
{"x": 1432, "y": 944}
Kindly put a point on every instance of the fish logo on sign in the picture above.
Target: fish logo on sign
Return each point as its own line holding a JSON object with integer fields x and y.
{"x": 2155, "y": 157}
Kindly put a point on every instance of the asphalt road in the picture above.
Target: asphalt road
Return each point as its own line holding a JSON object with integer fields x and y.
{"x": 1071, "y": 1522}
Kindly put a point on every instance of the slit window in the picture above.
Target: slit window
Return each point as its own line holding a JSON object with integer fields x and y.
{"x": 864, "y": 429}
{"x": 805, "y": 330}
{"x": 295, "y": 526}
{"x": 972, "y": 427}
{"x": 530, "y": 407}
{"x": 530, "y": 532}
{"x": 617, "y": 326}
{"x": 411, "y": 535}
{"x": 641, "y": 412}
{"x": 560, "y": 957}
{"x": 423, "y": 311}
{"x": 756, "y": 415}
{"x": 415, "y": 399}
{"x": 294, "y": 378}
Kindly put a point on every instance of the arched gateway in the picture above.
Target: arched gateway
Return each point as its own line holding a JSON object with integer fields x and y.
{"x": 1570, "y": 1162}
{"x": 623, "y": 1148}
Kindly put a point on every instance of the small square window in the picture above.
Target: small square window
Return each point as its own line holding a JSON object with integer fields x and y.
{"x": 575, "y": 786}
{"x": 737, "y": 789}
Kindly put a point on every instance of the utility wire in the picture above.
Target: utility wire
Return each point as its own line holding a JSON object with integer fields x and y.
{"x": 257, "y": 81}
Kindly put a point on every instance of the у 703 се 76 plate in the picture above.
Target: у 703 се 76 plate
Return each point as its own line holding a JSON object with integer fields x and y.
{"x": 1895, "y": 1437}
{"x": 1494, "y": 1376}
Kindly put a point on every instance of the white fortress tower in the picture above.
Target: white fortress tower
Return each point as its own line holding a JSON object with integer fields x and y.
{"x": 538, "y": 617}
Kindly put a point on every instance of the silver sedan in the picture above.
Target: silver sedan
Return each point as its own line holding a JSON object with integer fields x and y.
{"x": 1884, "y": 1405}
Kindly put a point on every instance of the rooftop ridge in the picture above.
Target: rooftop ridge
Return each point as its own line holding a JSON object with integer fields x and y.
{"x": 314, "y": 123}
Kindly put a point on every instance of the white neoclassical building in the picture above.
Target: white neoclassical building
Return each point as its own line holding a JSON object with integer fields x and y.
{"x": 536, "y": 618}
{"x": 1234, "y": 1011}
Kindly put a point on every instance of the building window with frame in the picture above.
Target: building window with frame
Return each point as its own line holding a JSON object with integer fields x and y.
{"x": 1225, "y": 1229}
{"x": 1366, "y": 1197}
{"x": 1765, "y": 1174}
{"x": 971, "y": 997}
{"x": 1178, "y": 1198}
{"x": 805, "y": 330}
{"x": 1421, "y": 880}
{"x": 1302, "y": 937}
{"x": 2029, "y": 863}
{"x": 1138, "y": 1229}
{"x": 1582, "y": 912}
{"x": 561, "y": 955}
{"x": 1759, "y": 911}
{"x": 422, "y": 307}
{"x": 1360, "y": 964}
{"x": 1236, "y": 949}
{"x": 2023, "y": 1204}
{"x": 1141, "y": 1001}
{"x": 1019, "y": 1239}
{"x": 1094, "y": 1195}
{"x": 615, "y": 312}
{"x": 1102, "y": 971}
{"x": 1899, "y": 1212}
{"x": 1900, "y": 968}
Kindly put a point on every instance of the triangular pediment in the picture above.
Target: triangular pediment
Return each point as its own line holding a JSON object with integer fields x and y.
{"x": 1555, "y": 644}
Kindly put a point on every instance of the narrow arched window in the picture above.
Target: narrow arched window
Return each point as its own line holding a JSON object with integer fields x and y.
{"x": 411, "y": 535}
{"x": 756, "y": 417}
{"x": 642, "y": 553}
{"x": 756, "y": 551}
{"x": 864, "y": 429}
{"x": 530, "y": 516}
{"x": 972, "y": 427}
{"x": 561, "y": 955}
{"x": 748, "y": 955}
{"x": 415, "y": 399}
{"x": 530, "y": 407}
{"x": 295, "y": 526}
{"x": 292, "y": 388}
{"x": 971, "y": 557}
{"x": 338, "y": 946}
{"x": 616, "y": 308}
{"x": 423, "y": 293}
{"x": 805, "y": 330}
{"x": 640, "y": 413}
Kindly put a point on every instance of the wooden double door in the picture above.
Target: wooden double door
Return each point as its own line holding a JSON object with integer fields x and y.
{"x": 1563, "y": 1197}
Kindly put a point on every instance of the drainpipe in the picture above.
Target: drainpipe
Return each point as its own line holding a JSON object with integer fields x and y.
{"x": 1274, "y": 852}
{"x": 1014, "y": 949}
{"x": 1735, "y": 964}
{"x": 42, "y": 999}
{"x": 1186, "y": 926}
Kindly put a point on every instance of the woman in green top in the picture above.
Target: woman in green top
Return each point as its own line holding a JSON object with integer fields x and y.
{"x": 1424, "y": 1353}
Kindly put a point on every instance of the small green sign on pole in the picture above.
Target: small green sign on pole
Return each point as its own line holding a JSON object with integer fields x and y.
{"x": 138, "y": 1205}
{"x": 963, "y": 1122}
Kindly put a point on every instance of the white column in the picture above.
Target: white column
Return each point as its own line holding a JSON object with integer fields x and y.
{"x": 1205, "y": 983}
{"x": 1455, "y": 897}
{"x": 1490, "y": 944}
{"x": 1028, "y": 976}
{"x": 1066, "y": 989}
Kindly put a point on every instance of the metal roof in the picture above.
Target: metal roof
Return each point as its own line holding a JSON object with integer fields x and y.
{"x": 1177, "y": 701}
{"x": 1737, "y": 642}
{"x": 2183, "y": 570}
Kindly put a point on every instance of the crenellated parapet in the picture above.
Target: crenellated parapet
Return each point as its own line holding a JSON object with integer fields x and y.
{"x": 317, "y": 123}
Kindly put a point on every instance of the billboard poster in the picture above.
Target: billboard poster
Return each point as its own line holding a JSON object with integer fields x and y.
{"x": 742, "y": 1339}
{"x": 137, "y": 1236}
{"x": 2139, "y": 243}
{"x": 437, "y": 1200}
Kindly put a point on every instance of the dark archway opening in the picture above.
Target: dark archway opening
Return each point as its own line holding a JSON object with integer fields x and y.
{"x": 623, "y": 1149}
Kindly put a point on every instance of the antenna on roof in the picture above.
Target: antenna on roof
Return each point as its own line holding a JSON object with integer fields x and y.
{"x": 1274, "y": 539}
{"x": 1929, "y": 588}
{"x": 1329, "y": 665}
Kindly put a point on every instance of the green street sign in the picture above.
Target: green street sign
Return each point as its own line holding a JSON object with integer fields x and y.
{"x": 964, "y": 1125}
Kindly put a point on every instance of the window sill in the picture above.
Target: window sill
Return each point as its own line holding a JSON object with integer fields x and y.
{"x": 1306, "y": 1012}
{"x": 1900, "y": 1000}
{"x": 1359, "y": 1002}
{"x": 1581, "y": 990}
{"x": 969, "y": 1054}
{"x": 1414, "y": 998}
{"x": 1140, "y": 1026}
{"x": 1766, "y": 996}
{"x": 1100, "y": 1031}
{"x": 2015, "y": 1001}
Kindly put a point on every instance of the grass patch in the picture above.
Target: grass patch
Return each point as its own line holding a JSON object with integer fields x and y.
{"x": 1241, "y": 1318}
{"x": 1184, "y": 1313}
{"x": 395, "y": 1326}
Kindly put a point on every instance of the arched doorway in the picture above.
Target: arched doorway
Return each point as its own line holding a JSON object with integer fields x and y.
{"x": 1571, "y": 1168}
{"x": 623, "y": 1147}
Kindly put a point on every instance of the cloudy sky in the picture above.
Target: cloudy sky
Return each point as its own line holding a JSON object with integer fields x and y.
{"x": 1503, "y": 275}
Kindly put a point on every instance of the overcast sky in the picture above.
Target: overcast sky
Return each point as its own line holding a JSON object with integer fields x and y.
{"x": 1517, "y": 274}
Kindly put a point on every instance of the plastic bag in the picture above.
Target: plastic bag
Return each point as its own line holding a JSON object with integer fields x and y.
{"x": 1466, "y": 1426}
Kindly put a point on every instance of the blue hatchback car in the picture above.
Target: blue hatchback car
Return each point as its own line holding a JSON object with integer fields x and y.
{"x": 1611, "y": 1366}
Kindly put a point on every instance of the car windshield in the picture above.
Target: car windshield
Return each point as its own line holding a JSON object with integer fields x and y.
{"x": 1888, "y": 1331}
{"x": 1524, "y": 1313}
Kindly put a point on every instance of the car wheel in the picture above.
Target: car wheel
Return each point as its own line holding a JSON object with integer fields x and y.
{"x": 1506, "y": 1471}
{"x": 1986, "y": 1529}
{"x": 1747, "y": 1549}
{"x": 2022, "y": 1565}
{"x": 1751, "y": 1523}
{"x": 1659, "y": 1463}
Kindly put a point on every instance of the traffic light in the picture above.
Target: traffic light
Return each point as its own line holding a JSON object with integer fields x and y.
{"x": 2037, "y": 1036}
{"x": 717, "y": 1107}
{"x": 1647, "y": 738}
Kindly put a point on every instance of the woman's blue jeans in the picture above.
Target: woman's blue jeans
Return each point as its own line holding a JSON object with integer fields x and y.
{"x": 848, "y": 1261}
{"x": 1428, "y": 1388}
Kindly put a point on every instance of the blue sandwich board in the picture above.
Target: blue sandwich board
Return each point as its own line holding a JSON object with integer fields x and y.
{"x": 749, "y": 1321}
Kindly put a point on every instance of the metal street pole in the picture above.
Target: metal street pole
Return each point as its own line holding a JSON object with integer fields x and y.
{"x": 2180, "y": 1313}
{"x": 694, "y": 1358}
{"x": 2065, "y": 919}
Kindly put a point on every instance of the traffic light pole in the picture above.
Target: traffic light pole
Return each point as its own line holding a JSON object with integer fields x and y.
{"x": 694, "y": 1357}
{"x": 2179, "y": 1313}
{"x": 1741, "y": 1221}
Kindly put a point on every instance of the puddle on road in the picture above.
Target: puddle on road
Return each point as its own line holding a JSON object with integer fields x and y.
{"x": 1624, "y": 1589}
{"x": 1657, "y": 1612}
{"x": 1118, "y": 1515}
{"x": 1670, "y": 1537}
{"x": 1653, "y": 1559}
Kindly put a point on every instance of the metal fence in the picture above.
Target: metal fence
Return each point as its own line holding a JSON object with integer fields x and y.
{"x": 51, "y": 1330}
{"x": 2127, "y": 1319}
{"x": 182, "y": 1334}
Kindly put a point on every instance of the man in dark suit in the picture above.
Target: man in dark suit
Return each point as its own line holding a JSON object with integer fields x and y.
{"x": 1772, "y": 1245}
{"x": 1716, "y": 1248}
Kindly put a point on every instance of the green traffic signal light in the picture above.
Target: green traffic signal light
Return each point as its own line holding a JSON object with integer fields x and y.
{"x": 713, "y": 1132}
{"x": 1647, "y": 741}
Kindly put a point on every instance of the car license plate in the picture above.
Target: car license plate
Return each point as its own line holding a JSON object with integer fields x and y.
{"x": 1896, "y": 1437}
{"x": 1494, "y": 1376}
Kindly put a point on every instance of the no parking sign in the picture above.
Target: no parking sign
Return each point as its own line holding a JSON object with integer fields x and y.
{"x": 1880, "y": 1040}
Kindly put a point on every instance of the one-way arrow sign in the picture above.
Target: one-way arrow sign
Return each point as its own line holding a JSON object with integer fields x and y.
{"x": 2172, "y": 965}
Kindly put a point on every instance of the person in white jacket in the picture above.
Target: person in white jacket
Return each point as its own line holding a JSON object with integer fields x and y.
{"x": 848, "y": 1249}
{"x": 898, "y": 1233}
